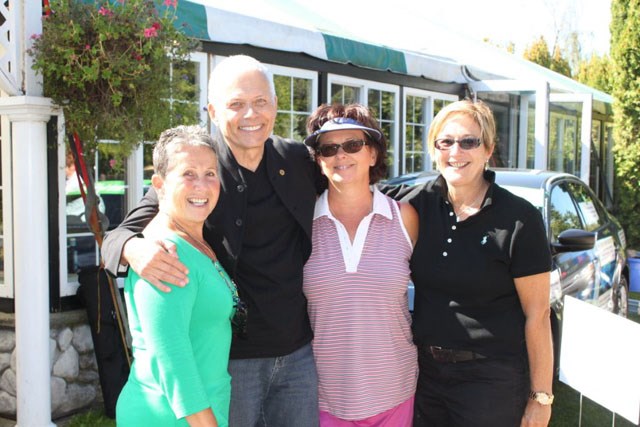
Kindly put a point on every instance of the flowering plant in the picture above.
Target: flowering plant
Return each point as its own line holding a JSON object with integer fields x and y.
{"x": 107, "y": 64}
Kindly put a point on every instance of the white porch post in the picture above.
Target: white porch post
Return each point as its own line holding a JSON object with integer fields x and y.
{"x": 28, "y": 117}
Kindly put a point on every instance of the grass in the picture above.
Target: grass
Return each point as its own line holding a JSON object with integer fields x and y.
{"x": 566, "y": 408}
{"x": 92, "y": 418}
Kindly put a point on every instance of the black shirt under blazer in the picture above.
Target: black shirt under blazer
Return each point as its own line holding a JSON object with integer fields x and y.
{"x": 292, "y": 174}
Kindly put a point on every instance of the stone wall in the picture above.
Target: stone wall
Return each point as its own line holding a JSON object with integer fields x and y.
{"x": 74, "y": 372}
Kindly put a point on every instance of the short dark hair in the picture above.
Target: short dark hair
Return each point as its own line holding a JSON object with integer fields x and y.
{"x": 362, "y": 114}
{"x": 193, "y": 135}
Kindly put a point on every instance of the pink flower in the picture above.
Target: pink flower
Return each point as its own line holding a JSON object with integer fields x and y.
{"x": 35, "y": 36}
{"x": 112, "y": 163}
{"x": 156, "y": 25}
{"x": 104, "y": 11}
{"x": 150, "y": 32}
{"x": 87, "y": 47}
{"x": 173, "y": 3}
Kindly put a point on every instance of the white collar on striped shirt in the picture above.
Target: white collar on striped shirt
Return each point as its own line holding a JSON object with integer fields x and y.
{"x": 380, "y": 205}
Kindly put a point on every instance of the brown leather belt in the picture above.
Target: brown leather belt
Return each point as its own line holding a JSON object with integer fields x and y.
{"x": 447, "y": 355}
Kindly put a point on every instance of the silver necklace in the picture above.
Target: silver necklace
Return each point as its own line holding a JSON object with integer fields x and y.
{"x": 470, "y": 209}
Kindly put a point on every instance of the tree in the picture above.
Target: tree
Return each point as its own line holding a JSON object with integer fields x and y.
{"x": 538, "y": 52}
{"x": 625, "y": 53}
{"x": 559, "y": 64}
{"x": 596, "y": 72}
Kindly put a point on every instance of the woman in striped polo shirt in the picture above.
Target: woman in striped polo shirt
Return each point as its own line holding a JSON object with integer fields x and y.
{"x": 356, "y": 278}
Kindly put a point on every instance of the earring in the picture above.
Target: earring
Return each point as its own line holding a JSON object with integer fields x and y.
{"x": 486, "y": 164}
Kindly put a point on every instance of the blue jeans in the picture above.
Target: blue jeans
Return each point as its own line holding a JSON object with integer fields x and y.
{"x": 274, "y": 391}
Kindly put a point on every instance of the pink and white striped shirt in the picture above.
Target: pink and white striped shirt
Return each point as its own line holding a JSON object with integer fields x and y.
{"x": 357, "y": 302}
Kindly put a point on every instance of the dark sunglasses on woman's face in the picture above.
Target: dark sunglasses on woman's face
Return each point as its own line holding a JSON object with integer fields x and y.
{"x": 352, "y": 146}
{"x": 468, "y": 143}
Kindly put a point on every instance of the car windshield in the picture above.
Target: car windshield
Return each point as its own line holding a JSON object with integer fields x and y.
{"x": 535, "y": 196}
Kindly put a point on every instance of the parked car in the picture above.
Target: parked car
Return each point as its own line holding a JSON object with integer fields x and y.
{"x": 81, "y": 249}
{"x": 587, "y": 243}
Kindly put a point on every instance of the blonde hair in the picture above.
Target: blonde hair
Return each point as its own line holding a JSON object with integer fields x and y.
{"x": 477, "y": 110}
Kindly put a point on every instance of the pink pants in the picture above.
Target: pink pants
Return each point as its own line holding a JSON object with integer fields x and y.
{"x": 398, "y": 416}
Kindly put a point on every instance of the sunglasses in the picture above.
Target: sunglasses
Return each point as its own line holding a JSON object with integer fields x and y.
{"x": 468, "y": 143}
{"x": 352, "y": 146}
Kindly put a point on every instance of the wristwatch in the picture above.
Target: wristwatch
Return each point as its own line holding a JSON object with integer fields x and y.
{"x": 541, "y": 397}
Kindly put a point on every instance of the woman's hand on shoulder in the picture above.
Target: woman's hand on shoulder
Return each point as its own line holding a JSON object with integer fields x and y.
{"x": 410, "y": 220}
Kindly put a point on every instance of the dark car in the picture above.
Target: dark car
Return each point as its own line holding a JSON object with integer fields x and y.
{"x": 587, "y": 242}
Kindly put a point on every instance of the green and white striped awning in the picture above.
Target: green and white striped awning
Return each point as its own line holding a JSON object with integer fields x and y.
{"x": 419, "y": 47}
{"x": 289, "y": 27}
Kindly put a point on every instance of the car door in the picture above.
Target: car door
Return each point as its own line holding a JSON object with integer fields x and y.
{"x": 577, "y": 268}
{"x": 594, "y": 218}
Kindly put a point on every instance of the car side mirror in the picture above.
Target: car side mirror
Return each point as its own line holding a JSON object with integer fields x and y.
{"x": 573, "y": 240}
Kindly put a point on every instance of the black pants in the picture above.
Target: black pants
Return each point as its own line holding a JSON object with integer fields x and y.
{"x": 477, "y": 393}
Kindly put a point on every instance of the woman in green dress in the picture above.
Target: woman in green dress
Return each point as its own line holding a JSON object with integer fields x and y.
{"x": 181, "y": 339}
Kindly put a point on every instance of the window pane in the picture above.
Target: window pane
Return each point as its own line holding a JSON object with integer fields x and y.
{"x": 302, "y": 92}
{"x": 388, "y": 101}
{"x": 283, "y": 91}
{"x": 185, "y": 102}
{"x": 415, "y": 134}
{"x": 563, "y": 212}
{"x": 147, "y": 162}
{"x": 294, "y": 106}
{"x": 589, "y": 208}
{"x": 282, "y": 126}
{"x": 344, "y": 94}
{"x": 299, "y": 131}
{"x": 374, "y": 102}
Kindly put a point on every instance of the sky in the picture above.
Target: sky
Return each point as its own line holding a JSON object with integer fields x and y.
{"x": 522, "y": 21}
{"x": 502, "y": 21}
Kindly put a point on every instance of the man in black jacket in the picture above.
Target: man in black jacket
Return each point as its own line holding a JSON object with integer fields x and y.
{"x": 261, "y": 233}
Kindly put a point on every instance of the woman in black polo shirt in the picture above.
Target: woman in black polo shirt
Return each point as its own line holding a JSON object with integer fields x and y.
{"x": 481, "y": 274}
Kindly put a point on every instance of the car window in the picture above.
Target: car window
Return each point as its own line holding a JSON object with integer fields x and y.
{"x": 563, "y": 212}
{"x": 588, "y": 206}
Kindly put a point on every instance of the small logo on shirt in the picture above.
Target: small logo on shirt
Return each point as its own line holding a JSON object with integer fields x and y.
{"x": 484, "y": 240}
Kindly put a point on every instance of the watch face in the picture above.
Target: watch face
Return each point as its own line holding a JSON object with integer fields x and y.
{"x": 543, "y": 398}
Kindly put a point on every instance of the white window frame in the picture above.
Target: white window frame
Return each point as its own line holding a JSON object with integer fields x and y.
{"x": 430, "y": 96}
{"x": 586, "y": 100}
{"x": 364, "y": 86}
{"x": 300, "y": 74}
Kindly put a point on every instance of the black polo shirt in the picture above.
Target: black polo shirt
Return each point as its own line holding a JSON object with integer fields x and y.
{"x": 463, "y": 272}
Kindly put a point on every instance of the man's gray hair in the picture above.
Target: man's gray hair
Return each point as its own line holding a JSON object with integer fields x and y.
{"x": 194, "y": 136}
{"x": 229, "y": 68}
